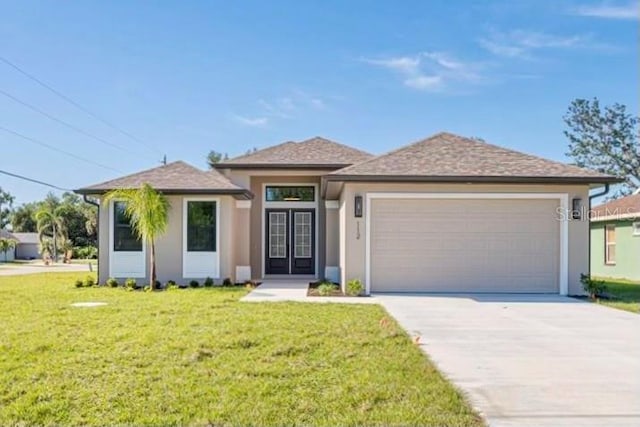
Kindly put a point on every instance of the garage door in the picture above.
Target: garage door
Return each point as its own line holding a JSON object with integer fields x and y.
{"x": 453, "y": 245}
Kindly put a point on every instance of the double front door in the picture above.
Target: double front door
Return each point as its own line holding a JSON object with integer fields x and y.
{"x": 290, "y": 241}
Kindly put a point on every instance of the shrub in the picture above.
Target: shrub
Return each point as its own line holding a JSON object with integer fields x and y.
{"x": 89, "y": 281}
{"x": 112, "y": 283}
{"x": 130, "y": 284}
{"x": 326, "y": 288}
{"x": 158, "y": 284}
{"x": 194, "y": 284}
{"x": 227, "y": 282}
{"x": 208, "y": 282}
{"x": 250, "y": 284}
{"x": 78, "y": 283}
{"x": 593, "y": 287}
{"x": 85, "y": 252}
{"x": 171, "y": 285}
{"x": 354, "y": 287}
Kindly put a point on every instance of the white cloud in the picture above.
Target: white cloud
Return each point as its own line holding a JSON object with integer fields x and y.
{"x": 629, "y": 11}
{"x": 251, "y": 121}
{"x": 522, "y": 44}
{"x": 429, "y": 71}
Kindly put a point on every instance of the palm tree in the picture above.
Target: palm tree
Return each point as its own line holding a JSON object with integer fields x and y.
{"x": 50, "y": 224}
{"x": 148, "y": 212}
{"x": 5, "y": 245}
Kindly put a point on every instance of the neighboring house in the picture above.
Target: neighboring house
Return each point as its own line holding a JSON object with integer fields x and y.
{"x": 615, "y": 239}
{"x": 445, "y": 214}
{"x": 27, "y": 246}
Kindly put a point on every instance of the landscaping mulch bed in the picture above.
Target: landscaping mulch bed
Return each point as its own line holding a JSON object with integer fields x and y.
{"x": 313, "y": 291}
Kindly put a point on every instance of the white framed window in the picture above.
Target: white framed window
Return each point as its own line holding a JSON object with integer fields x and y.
{"x": 201, "y": 237}
{"x": 610, "y": 244}
{"x": 636, "y": 228}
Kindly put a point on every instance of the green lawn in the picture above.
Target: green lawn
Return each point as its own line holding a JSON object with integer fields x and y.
{"x": 200, "y": 357}
{"x": 624, "y": 294}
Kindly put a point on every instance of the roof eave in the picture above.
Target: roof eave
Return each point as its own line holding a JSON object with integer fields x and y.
{"x": 237, "y": 193}
{"x": 482, "y": 179}
{"x": 622, "y": 217}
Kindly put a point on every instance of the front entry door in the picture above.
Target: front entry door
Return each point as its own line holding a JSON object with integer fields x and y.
{"x": 290, "y": 241}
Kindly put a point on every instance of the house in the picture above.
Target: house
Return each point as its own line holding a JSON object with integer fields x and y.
{"x": 444, "y": 214}
{"x": 27, "y": 246}
{"x": 615, "y": 239}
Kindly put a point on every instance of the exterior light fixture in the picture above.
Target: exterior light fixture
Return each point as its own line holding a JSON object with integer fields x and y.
{"x": 357, "y": 203}
{"x": 576, "y": 208}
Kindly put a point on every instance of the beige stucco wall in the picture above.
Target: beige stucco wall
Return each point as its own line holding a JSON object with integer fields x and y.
{"x": 353, "y": 230}
{"x": 169, "y": 246}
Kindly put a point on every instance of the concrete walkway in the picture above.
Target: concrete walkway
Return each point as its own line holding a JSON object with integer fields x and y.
{"x": 274, "y": 290}
{"x": 531, "y": 360}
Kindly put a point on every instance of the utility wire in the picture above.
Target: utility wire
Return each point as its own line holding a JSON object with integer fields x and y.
{"x": 77, "y": 105}
{"x": 55, "y": 119}
{"x": 34, "y": 180}
{"x": 54, "y": 148}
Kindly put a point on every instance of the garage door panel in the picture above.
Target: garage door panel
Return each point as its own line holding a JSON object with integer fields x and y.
{"x": 445, "y": 245}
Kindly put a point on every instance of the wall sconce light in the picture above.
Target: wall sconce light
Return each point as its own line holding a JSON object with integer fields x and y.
{"x": 576, "y": 208}
{"x": 357, "y": 203}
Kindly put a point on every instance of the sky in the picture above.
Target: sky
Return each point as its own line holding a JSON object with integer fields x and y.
{"x": 181, "y": 78}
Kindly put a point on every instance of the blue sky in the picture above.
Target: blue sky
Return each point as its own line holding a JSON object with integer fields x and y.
{"x": 188, "y": 77}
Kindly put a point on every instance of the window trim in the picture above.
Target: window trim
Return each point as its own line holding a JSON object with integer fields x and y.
{"x": 311, "y": 186}
{"x": 608, "y": 244}
{"x": 116, "y": 226}
{"x": 126, "y": 258}
{"x": 214, "y": 272}
{"x": 215, "y": 243}
{"x": 635, "y": 228}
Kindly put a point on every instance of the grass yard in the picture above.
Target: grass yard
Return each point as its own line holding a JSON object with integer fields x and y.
{"x": 200, "y": 357}
{"x": 624, "y": 294}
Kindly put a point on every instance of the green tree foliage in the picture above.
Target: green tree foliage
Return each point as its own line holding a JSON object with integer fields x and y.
{"x": 6, "y": 245}
{"x": 6, "y": 202}
{"x": 606, "y": 140}
{"x": 51, "y": 226}
{"x": 216, "y": 157}
{"x": 23, "y": 218}
{"x": 148, "y": 212}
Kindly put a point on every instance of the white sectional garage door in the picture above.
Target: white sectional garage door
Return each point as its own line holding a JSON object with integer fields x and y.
{"x": 464, "y": 245}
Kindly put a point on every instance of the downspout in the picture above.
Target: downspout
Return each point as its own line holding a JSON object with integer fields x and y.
{"x": 97, "y": 205}
{"x": 604, "y": 192}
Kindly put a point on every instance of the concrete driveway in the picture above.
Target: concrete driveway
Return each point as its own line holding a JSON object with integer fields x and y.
{"x": 531, "y": 360}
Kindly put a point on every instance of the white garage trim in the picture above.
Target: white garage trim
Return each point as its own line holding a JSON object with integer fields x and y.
{"x": 564, "y": 225}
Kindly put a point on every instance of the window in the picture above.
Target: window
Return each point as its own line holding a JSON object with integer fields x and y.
{"x": 277, "y": 234}
{"x": 636, "y": 228}
{"x": 124, "y": 238}
{"x": 302, "y": 236}
{"x": 278, "y": 193}
{"x": 201, "y": 226}
{"x": 610, "y": 244}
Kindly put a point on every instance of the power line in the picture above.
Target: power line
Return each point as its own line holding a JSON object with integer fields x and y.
{"x": 54, "y": 148}
{"x": 34, "y": 181}
{"x": 75, "y": 104}
{"x": 55, "y": 119}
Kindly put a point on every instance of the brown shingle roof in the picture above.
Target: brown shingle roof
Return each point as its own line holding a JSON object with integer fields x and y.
{"x": 625, "y": 207}
{"x": 176, "y": 177}
{"x": 315, "y": 152}
{"x": 444, "y": 156}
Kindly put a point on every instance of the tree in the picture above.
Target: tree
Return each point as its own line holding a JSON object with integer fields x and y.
{"x": 23, "y": 218}
{"x": 605, "y": 140}
{"x": 6, "y": 202}
{"x": 216, "y": 157}
{"x": 50, "y": 225}
{"x": 6, "y": 245}
{"x": 148, "y": 212}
